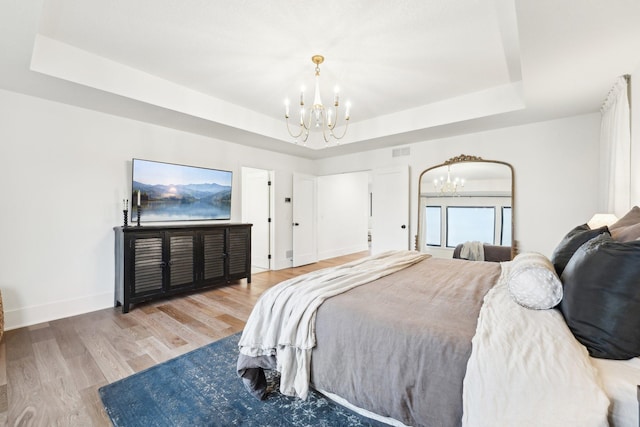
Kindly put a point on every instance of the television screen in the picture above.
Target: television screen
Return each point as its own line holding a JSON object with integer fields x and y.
{"x": 170, "y": 192}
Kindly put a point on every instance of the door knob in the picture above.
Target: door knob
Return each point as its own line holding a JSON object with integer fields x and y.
{"x": 296, "y": 224}
{"x": 403, "y": 226}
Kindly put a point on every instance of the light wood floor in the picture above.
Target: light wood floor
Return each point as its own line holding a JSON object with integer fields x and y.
{"x": 50, "y": 373}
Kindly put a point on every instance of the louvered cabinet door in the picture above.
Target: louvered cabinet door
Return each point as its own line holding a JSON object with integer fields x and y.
{"x": 181, "y": 259}
{"x": 213, "y": 256}
{"x": 239, "y": 252}
{"x": 147, "y": 264}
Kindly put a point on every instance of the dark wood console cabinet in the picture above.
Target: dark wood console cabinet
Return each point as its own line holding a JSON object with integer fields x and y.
{"x": 157, "y": 261}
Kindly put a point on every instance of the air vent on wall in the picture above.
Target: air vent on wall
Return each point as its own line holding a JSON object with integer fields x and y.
{"x": 398, "y": 152}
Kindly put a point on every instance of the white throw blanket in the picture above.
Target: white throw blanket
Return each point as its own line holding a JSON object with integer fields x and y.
{"x": 473, "y": 251}
{"x": 283, "y": 321}
{"x": 527, "y": 369}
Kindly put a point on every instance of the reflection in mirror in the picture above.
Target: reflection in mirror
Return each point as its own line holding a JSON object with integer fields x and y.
{"x": 466, "y": 207}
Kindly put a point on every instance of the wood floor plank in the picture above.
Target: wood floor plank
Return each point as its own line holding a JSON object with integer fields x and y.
{"x": 3, "y": 363}
{"x": 93, "y": 407}
{"x": 233, "y": 322}
{"x": 18, "y": 344}
{"x": 141, "y": 363}
{"x": 122, "y": 341}
{"x": 63, "y": 403}
{"x": 24, "y": 391}
{"x": 41, "y": 333}
{"x": 85, "y": 371}
{"x": 111, "y": 364}
{"x": 49, "y": 360}
{"x": 177, "y": 328}
{"x": 50, "y": 373}
{"x": 23, "y": 376}
{"x": 4, "y": 402}
{"x": 66, "y": 335}
{"x": 158, "y": 329}
{"x": 176, "y": 313}
{"x": 156, "y": 349}
{"x": 201, "y": 312}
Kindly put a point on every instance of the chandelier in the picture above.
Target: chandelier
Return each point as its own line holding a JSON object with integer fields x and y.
{"x": 448, "y": 186}
{"x": 318, "y": 116}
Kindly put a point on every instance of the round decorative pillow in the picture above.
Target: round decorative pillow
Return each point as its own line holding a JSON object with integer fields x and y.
{"x": 533, "y": 283}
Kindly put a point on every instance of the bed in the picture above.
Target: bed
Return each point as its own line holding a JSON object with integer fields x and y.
{"x": 448, "y": 342}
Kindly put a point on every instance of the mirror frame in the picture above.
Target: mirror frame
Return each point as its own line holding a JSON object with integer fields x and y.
{"x": 463, "y": 158}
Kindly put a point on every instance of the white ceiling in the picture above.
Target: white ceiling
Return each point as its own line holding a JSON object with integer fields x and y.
{"x": 412, "y": 69}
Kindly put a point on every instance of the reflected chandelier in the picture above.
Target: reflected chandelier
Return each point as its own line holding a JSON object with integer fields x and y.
{"x": 448, "y": 187}
{"x": 318, "y": 116}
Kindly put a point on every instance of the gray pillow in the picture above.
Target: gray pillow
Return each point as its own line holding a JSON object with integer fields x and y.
{"x": 630, "y": 218}
{"x": 601, "y": 303}
{"x": 627, "y": 228}
{"x": 571, "y": 242}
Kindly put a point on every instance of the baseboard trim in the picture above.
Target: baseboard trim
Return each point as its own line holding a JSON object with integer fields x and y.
{"x": 33, "y": 315}
{"x": 343, "y": 251}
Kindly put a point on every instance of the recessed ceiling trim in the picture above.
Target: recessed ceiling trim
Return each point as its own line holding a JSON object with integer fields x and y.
{"x": 489, "y": 102}
{"x": 60, "y": 60}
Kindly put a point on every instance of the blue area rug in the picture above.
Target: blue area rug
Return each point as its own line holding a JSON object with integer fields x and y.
{"x": 201, "y": 388}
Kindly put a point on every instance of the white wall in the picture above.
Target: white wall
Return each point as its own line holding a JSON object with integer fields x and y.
{"x": 555, "y": 166}
{"x": 635, "y": 138}
{"x": 343, "y": 214}
{"x": 65, "y": 171}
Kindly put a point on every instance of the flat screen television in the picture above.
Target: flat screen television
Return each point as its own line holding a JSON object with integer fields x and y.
{"x": 171, "y": 192}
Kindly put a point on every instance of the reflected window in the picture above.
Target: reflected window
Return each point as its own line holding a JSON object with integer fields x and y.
{"x": 433, "y": 218}
{"x": 469, "y": 223}
{"x": 505, "y": 238}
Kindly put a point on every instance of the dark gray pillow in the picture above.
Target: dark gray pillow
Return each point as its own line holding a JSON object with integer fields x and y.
{"x": 601, "y": 303}
{"x": 571, "y": 242}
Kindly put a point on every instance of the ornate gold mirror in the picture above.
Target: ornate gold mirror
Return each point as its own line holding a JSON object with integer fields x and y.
{"x": 466, "y": 199}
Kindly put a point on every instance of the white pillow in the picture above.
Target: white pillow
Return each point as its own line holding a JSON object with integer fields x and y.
{"x": 533, "y": 283}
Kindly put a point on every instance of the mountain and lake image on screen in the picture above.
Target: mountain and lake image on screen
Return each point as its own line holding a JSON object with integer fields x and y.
{"x": 172, "y": 192}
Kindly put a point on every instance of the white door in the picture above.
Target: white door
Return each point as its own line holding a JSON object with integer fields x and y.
{"x": 305, "y": 249}
{"x": 256, "y": 208}
{"x": 390, "y": 208}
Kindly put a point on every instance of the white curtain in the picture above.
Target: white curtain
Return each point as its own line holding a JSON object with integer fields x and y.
{"x": 615, "y": 150}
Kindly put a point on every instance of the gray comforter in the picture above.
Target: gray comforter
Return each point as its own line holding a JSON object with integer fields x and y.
{"x": 399, "y": 346}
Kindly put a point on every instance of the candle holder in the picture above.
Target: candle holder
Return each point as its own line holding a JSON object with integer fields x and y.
{"x": 125, "y": 214}
{"x": 139, "y": 214}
